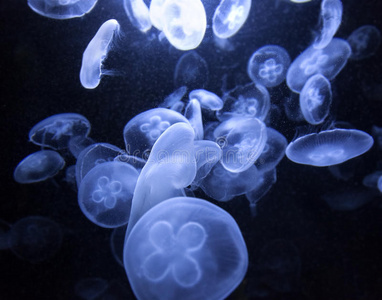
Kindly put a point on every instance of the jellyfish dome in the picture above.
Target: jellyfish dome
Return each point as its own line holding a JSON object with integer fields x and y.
{"x": 330, "y": 147}
{"x": 185, "y": 248}
{"x": 364, "y": 42}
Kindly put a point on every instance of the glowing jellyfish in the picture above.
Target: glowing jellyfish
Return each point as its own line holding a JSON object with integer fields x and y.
{"x": 364, "y": 41}
{"x": 193, "y": 113}
{"x": 328, "y": 61}
{"x": 207, "y": 99}
{"x": 184, "y": 23}
{"x": 329, "y": 147}
{"x": 56, "y": 131}
{"x": 229, "y": 17}
{"x": 138, "y": 14}
{"x": 62, "y": 9}
{"x": 371, "y": 180}
{"x": 105, "y": 193}
{"x": 38, "y": 166}
{"x": 316, "y": 99}
{"x": 268, "y": 65}
{"x": 185, "y": 248}
{"x": 96, "y": 52}
{"x": 174, "y": 97}
{"x": 331, "y": 17}
{"x": 156, "y": 13}
{"x": 35, "y": 238}
{"x": 380, "y": 184}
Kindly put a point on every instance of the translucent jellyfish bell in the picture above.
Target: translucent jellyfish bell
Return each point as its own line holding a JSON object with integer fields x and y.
{"x": 184, "y": 23}
{"x": 156, "y": 13}
{"x": 185, "y": 248}
{"x": 138, "y": 14}
{"x": 38, "y": 166}
{"x": 364, "y": 41}
{"x": 207, "y": 99}
{"x": 268, "y": 65}
{"x": 329, "y": 147}
{"x": 174, "y": 97}
{"x": 229, "y": 17}
{"x": 95, "y": 53}
{"x": 193, "y": 113}
{"x": 105, "y": 193}
{"x": 62, "y": 9}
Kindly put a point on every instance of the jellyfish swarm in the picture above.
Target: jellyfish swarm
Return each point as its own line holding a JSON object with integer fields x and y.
{"x": 364, "y": 42}
{"x": 95, "y": 53}
{"x": 185, "y": 248}
{"x": 268, "y": 65}
{"x": 62, "y": 9}
{"x": 138, "y": 14}
{"x": 329, "y": 147}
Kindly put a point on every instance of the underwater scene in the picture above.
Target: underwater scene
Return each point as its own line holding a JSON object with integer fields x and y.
{"x": 191, "y": 149}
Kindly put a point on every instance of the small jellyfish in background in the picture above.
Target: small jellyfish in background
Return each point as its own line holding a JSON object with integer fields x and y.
{"x": 62, "y": 9}
{"x": 207, "y": 99}
{"x": 328, "y": 61}
{"x": 268, "y": 65}
{"x": 184, "y": 23}
{"x": 329, "y": 147}
{"x": 56, "y": 131}
{"x": 185, "y": 248}
{"x": 364, "y": 42}
{"x": 331, "y": 17}
{"x": 193, "y": 113}
{"x": 96, "y": 52}
{"x": 38, "y": 166}
{"x": 90, "y": 288}
{"x": 138, "y": 14}
{"x": 371, "y": 180}
{"x": 192, "y": 71}
{"x": 229, "y": 17}
{"x": 35, "y": 238}
{"x": 105, "y": 193}
{"x": 292, "y": 108}
{"x": 316, "y": 99}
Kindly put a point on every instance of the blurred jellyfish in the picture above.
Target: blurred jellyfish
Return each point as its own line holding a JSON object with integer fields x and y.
{"x": 364, "y": 42}
{"x": 105, "y": 193}
{"x": 268, "y": 65}
{"x": 79, "y": 143}
{"x": 229, "y": 17}
{"x": 174, "y": 97}
{"x": 331, "y": 17}
{"x": 328, "y": 61}
{"x": 70, "y": 177}
{"x": 371, "y": 180}
{"x": 207, "y": 99}
{"x": 35, "y": 238}
{"x": 329, "y": 147}
{"x": 348, "y": 199}
{"x": 90, "y": 288}
{"x": 38, "y": 166}
{"x": 377, "y": 134}
{"x": 117, "y": 241}
{"x": 346, "y": 170}
{"x": 316, "y": 99}
{"x": 292, "y": 108}
{"x": 96, "y": 52}
{"x": 380, "y": 184}
{"x": 193, "y": 113}
{"x": 56, "y": 131}
{"x": 62, "y": 9}
{"x": 185, "y": 248}
{"x": 138, "y": 14}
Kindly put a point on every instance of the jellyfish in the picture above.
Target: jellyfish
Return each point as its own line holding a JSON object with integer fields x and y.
{"x": 35, "y": 238}
{"x": 364, "y": 42}
{"x": 380, "y": 184}
{"x": 268, "y": 65}
{"x": 329, "y": 147}
{"x": 292, "y": 108}
{"x": 56, "y": 131}
{"x": 62, "y": 9}
{"x": 193, "y": 113}
{"x": 316, "y": 99}
{"x": 38, "y": 166}
{"x": 156, "y": 13}
{"x": 331, "y": 17}
{"x": 371, "y": 180}
{"x": 185, "y": 248}
{"x": 174, "y": 97}
{"x": 90, "y": 288}
{"x": 105, "y": 193}
{"x": 79, "y": 143}
{"x": 138, "y": 14}
{"x": 207, "y": 99}
{"x": 229, "y": 17}
{"x": 178, "y": 106}
{"x": 96, "y": 52}
{"x": 328, "y": 61}
{"x": 184, "y": 23}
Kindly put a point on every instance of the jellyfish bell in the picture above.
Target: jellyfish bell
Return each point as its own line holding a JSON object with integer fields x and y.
{"x": 193, "y": 113}
{"x": 364, "y": 42}
{"x": 138, "y": 14}
{"x": 207, "y": 99}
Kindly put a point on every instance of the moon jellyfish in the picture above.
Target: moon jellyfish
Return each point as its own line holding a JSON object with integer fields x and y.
{"x": 95, "y": 53}
{"x": 243, "y": 142}
{"x": 138, "y": 14}
{"x": 156, "y": 13}
{"x": 35, "y": 238}
{"x": 38, "y": 166}
{"x": 364, "y": 42}
{"x": 207, "y": 99}
{"x": 191, "y": 70}
{"x": 90, "y": 288}
{"x": 331, "y": 17}
{"x": 329, "y": 147}
{"x": 185, "y": 248}
{"x": 62, "y": 9}
{"x": 371, "y": 180}
{"x": 268, "y": 65}
{"x": 328, "y": 61}
{"x": 105, "y": 193}
{"x": 174, "y": 97}
{"x": 229, "y": 17}
{"x": 348, "y": 199}
{"x": 184, "y": 23}
{"x": 316, "y": 99}
{"x": 141, "y": 132}
{"x": 193, "y": 113}
{"x": 56, "y": 131}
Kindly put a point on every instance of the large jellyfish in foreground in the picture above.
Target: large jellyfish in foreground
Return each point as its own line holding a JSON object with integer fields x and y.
{"x": 329, "y": 147}
{"x": 62, "y": 9}
{"x": 185, "y": 248}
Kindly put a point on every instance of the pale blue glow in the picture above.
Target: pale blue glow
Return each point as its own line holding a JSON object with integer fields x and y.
{"x": 138, "y": 14}
{"x": 207, "y": 99}
{"x": 191, "y": 71}
{"x": 62, "y": 9}
{"x": 193, "y": 113}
